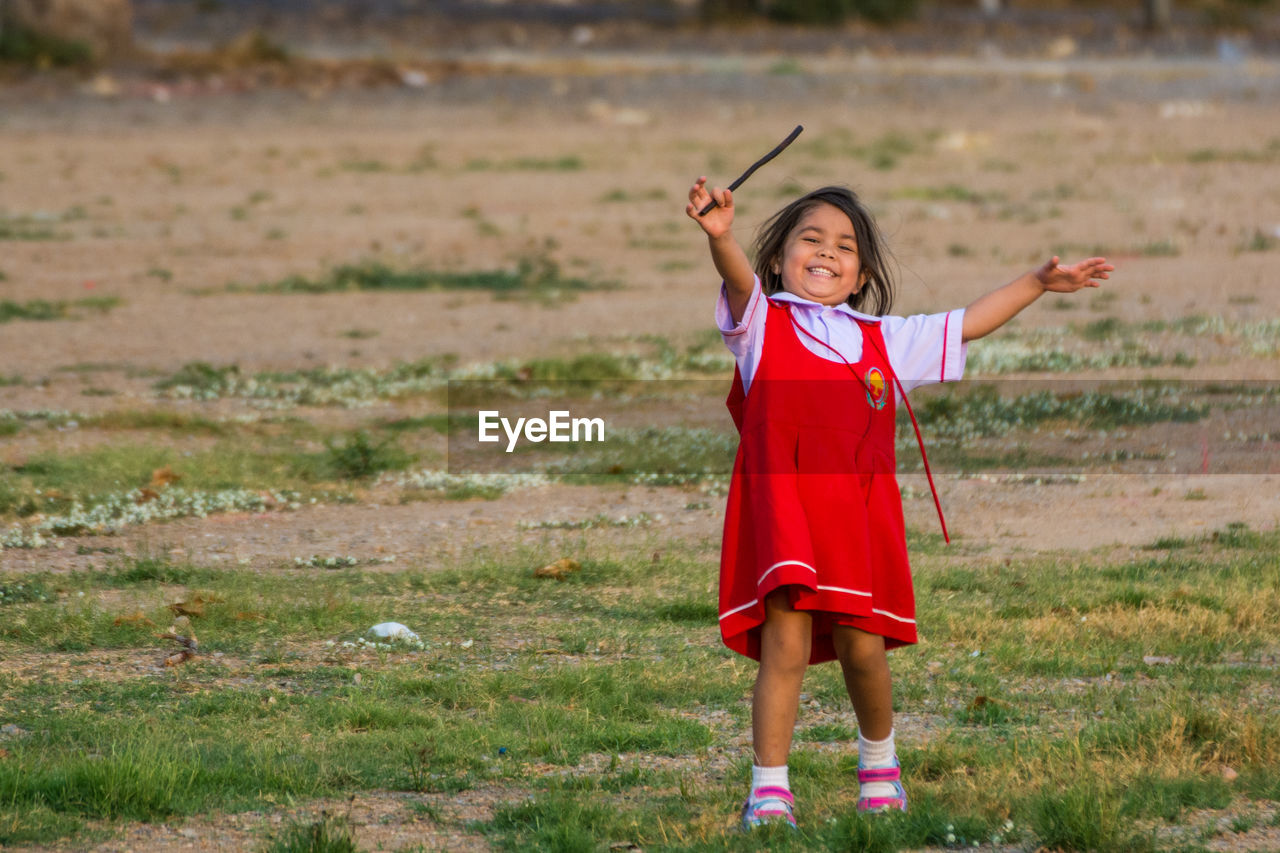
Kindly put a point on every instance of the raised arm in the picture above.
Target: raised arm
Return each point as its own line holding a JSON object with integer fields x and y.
{"x": 728, "y": 256}
{"x": 991, "y": 311}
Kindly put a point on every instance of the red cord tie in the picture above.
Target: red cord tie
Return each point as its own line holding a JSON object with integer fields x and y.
{"x": 911, "y": 413}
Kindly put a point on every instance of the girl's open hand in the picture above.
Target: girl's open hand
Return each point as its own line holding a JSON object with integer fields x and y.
{"x": 718, "y": 220}
{"x": 1053, "y": 276}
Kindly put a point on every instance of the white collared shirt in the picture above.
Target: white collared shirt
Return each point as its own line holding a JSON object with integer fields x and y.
{"x": 922, "y": 349}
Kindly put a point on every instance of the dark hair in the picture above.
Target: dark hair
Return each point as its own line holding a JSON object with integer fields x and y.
{"x": 877, "y": 293}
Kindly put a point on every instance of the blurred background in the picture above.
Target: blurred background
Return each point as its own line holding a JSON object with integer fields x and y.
{"x": 44, "y": 34}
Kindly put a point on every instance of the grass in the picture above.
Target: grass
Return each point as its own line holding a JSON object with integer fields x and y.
{"x": 1259, "y": 242}
{"x": 1112, "y": 342}
{"x": 329, "y": 834}
{"x": 982, "y": 410}
{"x": 22, "y": 229}
{"x": 563, "y": 163}
{"x": 625, "y": 196}
{"x": 535, "y": 276}
{"x": 126, "y": 482}
{"x": 603, "y": 704}
{"x": 883, "y": 153}
{"x": 1268, "y": 153}
{"x": 43, "y": 309}
{"x": 356, "y": 387}
{"x": 947, "y": 192}
{"x": 661, "y": 455}
{"x": 25, "y": 46}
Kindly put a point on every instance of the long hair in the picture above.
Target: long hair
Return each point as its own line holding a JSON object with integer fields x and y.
{"x": 877, "y": 292}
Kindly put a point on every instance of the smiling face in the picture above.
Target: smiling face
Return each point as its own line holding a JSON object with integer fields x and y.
{"x": 819, "y": 259}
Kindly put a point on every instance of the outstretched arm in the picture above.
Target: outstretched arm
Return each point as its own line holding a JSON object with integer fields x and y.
{"x": 730, "y": 260}
{"x": 991, "y": 311}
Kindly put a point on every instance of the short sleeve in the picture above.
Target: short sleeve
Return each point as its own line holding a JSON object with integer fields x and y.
{"x": 925, "y": 348}
{"x": 746, "y": 338}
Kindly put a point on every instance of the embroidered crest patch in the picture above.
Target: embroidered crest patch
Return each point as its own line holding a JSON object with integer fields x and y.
{"x": 876, "y": 395}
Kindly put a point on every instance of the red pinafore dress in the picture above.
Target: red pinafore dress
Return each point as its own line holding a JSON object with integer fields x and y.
{"x": 814, "y": 503}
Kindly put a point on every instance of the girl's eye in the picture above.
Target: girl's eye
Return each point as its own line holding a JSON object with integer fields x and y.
{"x": 846, "y": 248}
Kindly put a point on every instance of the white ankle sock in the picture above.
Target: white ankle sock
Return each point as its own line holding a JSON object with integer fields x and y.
{"x": 876, "y": 753}
{"x": 768, "y": 777}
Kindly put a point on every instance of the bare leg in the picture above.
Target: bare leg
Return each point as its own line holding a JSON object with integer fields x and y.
{"x": 866, "y": 677}
{"x": 785, "y": 640}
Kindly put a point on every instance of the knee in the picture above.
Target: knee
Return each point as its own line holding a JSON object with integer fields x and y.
{"x": 859, "y": 653}
{"x": 785, "y": 652}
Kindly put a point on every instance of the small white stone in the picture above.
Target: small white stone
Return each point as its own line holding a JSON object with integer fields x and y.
{"x": 392, "y": 631}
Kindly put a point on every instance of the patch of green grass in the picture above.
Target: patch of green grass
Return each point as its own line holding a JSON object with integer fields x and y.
{"x": 35, "y": 309}
{"x": 26, "y": 229}
{"x": 659, "y": 455}
{"x": 55, "y": 483}
{"x": 360, "y": 457}
{"x": 965, "y": 457}
{"x": 1085, "y": 815}
{"x": 329, "y": 834}
{"x": 1238, "y": 535}
{"x": 25, "y": 591}
{"x": 563, "y": 163}
{"x": 26, "y": 46}
{"x": 827, "y": 733}
{"x": 164, "y": 419}
{"x": 786, "y": 68}
{"x": 1259, "y": 242}
{"x": 1160, "y": 249}
{"x": 553, "y": 696}
{"x": 983, "y": 411}
{"x": 626, "y": 196}
{"x": 42, "y": 309}
{"x": 1268, "y": 153}
{"x": 200, "y": 377}
{"x": 1169, "y": 798}
{"x": 885, "y": 152}
{"x": 1102, "y": 330}
{"x": 316, "y": 387}
{"x": 535, "y": 276}
{"x": 947, "y": 192}
{"x": 1168, "y": 543}
{"x": 152, "y": 569}
{"x": 365, "y": 166}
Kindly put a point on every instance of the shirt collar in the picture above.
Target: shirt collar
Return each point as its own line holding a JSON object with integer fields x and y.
{"x": 843, "y": 307}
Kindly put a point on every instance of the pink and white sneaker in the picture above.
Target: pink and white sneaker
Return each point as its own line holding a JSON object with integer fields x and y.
{"x": 768, "y": 805}
{"x": 891, "y": 775}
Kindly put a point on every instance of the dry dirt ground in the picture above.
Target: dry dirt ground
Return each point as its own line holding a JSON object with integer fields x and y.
{"x": 163, "y": 198}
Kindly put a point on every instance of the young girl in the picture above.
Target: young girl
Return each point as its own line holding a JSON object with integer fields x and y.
{"x": 814, "y": 561}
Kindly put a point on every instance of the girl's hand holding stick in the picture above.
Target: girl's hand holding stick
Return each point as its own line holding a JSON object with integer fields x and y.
{"x": 729, "y": 257}
{"x": 711, "y": 209}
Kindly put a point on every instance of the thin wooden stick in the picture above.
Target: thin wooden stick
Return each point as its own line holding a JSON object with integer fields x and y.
{"x": 756, "y": 165}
